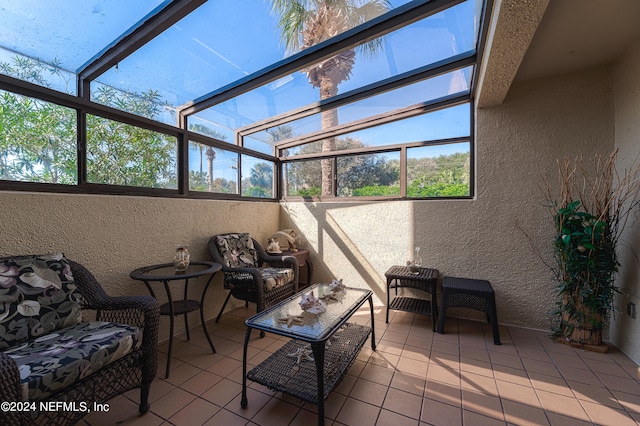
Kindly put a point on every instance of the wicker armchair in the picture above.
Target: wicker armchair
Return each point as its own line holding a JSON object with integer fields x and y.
{"x": 250, "y": 274}
{"x": 129, "y": 366}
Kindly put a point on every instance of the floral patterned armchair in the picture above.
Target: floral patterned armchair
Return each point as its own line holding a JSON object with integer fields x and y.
{"x": 250, "y": 274}
{"x": 49, "y": 353}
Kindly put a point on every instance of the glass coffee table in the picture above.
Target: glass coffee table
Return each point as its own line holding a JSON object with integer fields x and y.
{"x": 322, "y": 346}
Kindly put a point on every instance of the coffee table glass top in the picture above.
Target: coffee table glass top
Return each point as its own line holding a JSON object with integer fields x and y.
{"x": 288, "y": 319}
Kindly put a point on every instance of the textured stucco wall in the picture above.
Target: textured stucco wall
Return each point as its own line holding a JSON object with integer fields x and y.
{"x": 624, "y": 331}
{"x": 112, "y": 235}
{"x": 495, "y": 237}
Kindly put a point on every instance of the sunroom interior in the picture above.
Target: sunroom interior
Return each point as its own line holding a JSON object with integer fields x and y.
{"x": 236, "y": 128}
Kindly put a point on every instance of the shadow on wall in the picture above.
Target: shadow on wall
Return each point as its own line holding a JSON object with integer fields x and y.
{"x": 356, "y": 242}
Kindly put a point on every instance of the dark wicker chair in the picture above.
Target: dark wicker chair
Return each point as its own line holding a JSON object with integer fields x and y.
{"x": 137, "y": 369}
{"x": 246, "y": 281}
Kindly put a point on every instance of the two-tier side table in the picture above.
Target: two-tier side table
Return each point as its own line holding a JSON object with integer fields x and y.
{"x": 425, "y": 280}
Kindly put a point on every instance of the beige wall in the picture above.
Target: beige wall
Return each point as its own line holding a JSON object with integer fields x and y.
{"x": 625, "y": 331}
{"x": 495, "y": 237}
{"x": 112, "y": 235}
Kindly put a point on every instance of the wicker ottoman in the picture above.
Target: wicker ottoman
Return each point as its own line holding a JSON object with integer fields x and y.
{"x": 469, "y": 293}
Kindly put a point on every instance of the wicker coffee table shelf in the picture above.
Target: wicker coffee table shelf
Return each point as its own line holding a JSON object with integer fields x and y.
{"x": 282, "y": 373}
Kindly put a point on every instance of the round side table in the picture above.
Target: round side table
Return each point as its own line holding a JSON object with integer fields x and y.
{"x": 166, "y": 273}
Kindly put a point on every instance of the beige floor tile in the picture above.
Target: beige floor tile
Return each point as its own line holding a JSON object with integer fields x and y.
{"x": 440, "y": 414}
{"x": 484, "y": 404}
{"x": 478, "y": 383}
{"x": 276, "y": 412}
{"x": 408, "y": 383}
{"x": 443, "y": 374}
{"x": 443, "y": 392}
{"x": 552, "y": 402}
{"x": 506, "y": 360}
{"x": 196, "y": 413}
{"x": 542, "y": 367}
{"x": 412, "y": 367}
{"x": 594, "y": 394}
{"x": 390, "y": 418}
{"x": 550, "y": 384}
{"x": 475, "y": 366}
{"x": 404, "y": 403}
{"x": 369, "y": 392}
{"x": 377, "y": 374}
{"x": 557, "y": 419}
{"x": 631, "y": 402}
{"x": 475, "y": 419}
{"x": 200, "y": 382}
{"x": 222, "y": 392}
{"x": 359, "y": 413}
{"x": 226, "y": 418}
{"x": 169, "y": 404}
{"x": 513, "y": 375}
{"x": 523, "y": 414}
{"x": 518, "y": 393}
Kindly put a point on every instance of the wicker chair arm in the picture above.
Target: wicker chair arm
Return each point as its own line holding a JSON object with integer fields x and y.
{"x": 140, "y": 311}
{"x": 10, "y": 390}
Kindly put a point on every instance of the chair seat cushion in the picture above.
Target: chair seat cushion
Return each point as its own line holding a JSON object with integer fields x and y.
{"x": 54, "y": 361}
{"x": 272, "y": 278}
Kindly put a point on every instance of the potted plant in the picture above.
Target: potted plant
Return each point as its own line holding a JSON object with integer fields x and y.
{"x": 589, "y": 215}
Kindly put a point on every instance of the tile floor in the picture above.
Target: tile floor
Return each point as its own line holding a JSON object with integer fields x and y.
{"x": 415, "y": 377}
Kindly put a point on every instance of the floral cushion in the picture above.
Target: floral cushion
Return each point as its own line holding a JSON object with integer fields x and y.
{"x": 272, "y": 277}
{"x": 56, "y": 360}
{"x": 37, "y": 296}
{"x": 237, "y": 250}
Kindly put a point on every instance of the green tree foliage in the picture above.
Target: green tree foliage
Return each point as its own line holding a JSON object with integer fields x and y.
{"x": 305, "y": 177}
{"x": 260, "y": 182}
{"x": 443, "y": 176}
{"x": 37, "y": 138}
{"x": 374, "y": 175}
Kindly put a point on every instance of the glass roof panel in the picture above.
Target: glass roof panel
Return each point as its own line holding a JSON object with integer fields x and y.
{"x": 66, "y": 34}
{"x": 436, "y": 38}
{"x": 452, "y": 83}
{"x": 217, "y": 44}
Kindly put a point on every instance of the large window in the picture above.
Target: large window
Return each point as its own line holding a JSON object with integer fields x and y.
{"x": 257, "y": 99}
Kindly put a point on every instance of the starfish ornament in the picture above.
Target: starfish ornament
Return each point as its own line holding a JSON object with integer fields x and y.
{"x": 291, "y": 319}
{"x": 303, "y": 353}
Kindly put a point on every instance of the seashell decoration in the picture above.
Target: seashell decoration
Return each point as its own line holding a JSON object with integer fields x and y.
{"x": 310, "y": 303}
{"x": 336, "y": 285}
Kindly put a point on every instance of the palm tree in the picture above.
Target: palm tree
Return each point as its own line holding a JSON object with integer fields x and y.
{"x": 305, "y": 23}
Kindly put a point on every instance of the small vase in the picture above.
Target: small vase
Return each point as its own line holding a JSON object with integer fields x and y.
{"x": 182, "y": 258}
{"x": 415, "y": 264}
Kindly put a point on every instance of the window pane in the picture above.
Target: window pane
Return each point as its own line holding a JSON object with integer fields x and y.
{"x": 212, "y": 169}
{"x": 257, "y": 177}
{"x": 370, "y": 175}
{"x": 63, "y": 35}
{"x": 439, "y": 171}
{"x": 122, "y": 154}
{"x": 37, "y": 141}
{"x": 453, "y": 83}
{"x": 302, "y": 178}
{"x": 453, "y": 122}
